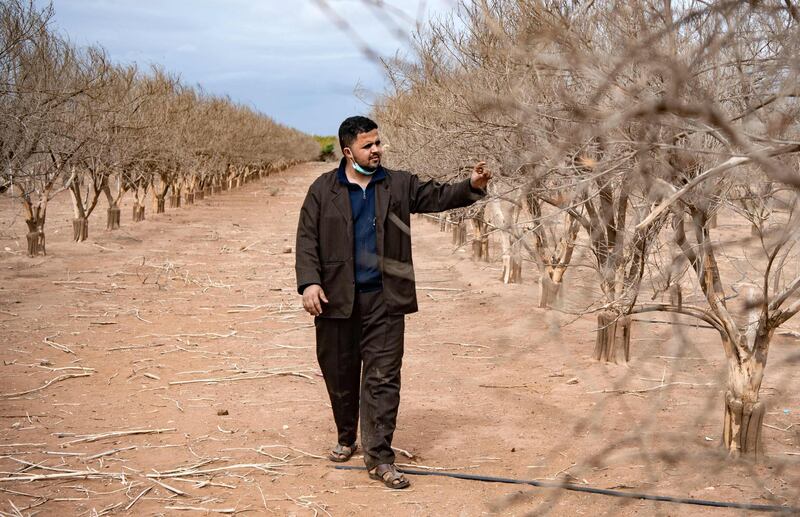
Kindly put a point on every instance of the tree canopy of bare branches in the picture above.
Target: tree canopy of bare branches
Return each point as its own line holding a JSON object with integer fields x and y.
{"x": 625, "y": 130}
{"x": 71, "y": 120}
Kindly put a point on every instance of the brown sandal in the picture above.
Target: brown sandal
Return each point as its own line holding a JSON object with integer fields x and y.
{"x": 391, "y": 477}
{"x": 342, "y": 453}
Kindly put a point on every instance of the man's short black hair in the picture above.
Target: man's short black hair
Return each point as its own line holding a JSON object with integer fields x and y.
{"x": 352, "y": 127}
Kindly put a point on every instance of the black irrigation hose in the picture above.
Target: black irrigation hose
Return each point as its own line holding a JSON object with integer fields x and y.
{"x": 600, "y": 491}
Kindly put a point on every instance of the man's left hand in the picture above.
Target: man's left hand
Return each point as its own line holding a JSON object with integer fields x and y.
{"x": 480, "y": 176}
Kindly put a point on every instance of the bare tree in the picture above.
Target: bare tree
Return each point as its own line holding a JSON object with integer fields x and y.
{"x": 624, "y": 116}
{"x": 42, "y": 82}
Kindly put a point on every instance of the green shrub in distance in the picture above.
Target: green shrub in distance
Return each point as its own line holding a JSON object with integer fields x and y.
{"x": 327, "y": 144}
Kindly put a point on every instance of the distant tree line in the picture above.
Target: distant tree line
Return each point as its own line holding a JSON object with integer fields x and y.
{"x": 71, "y": 120}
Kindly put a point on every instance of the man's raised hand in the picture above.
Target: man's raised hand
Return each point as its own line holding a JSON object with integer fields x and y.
{"x": 480, "y": 176}
{"x": 313, "y": 298}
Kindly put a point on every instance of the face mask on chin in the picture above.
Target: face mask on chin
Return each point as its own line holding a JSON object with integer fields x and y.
{"x": 362, "y": 170}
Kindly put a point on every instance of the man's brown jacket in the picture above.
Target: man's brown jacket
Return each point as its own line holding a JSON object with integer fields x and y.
{"x": 324, "y": 251}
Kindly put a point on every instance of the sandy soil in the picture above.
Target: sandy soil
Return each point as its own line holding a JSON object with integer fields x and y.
{"x": 492, "y": 385}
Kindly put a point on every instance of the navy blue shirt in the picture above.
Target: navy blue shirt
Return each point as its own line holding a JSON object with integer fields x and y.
{"x": 365, "y": 240}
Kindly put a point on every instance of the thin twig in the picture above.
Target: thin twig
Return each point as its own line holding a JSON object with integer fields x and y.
{"x": 45, "y": 385}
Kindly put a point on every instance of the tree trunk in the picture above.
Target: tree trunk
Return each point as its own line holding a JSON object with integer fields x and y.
{"x": 676, "y": 295}
{"x": 443, "y": 225}
{"x": 512, "y": 259}
{"x": 480, "y": 241}
{"x": 80, "y": 229}
{"x": 80, "y": 223}
{"x": 189, "y": 198}
{"x": 548, "y": 291}
{"x": 113, "y": 213}
{"x": 199, "y": 195}
{"x": 35, "y": 237}
{"x": 676, "y": 300}
{"x": 138, "y": 212}
{"x": 160, "y": 202}
{"x": 459, "y": 234}
{"x": 512, "y": 268}
{"x": 112, "y": 218}
{"x": 613, "y": 342}
{"x": 744, "y": 413}
{"x": 742, "y": 429}
{"x": 35, "y": 244}
{"x": 504, "y": 217}
{"x": 175, "y": 201}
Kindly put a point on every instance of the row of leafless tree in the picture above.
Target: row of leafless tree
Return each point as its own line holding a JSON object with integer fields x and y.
{"x": 623, "y": 132}
{"x": 70, "y": 120}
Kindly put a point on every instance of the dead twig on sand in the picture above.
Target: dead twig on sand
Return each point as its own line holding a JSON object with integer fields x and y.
{"x": 404, "y": 452}
{"x": 785, "y": 430}
{"x": 426, "y": 467}
{"x": 660, "y": 386}
{"x": 245, "y": 248}
{"x": 46, "y": 384}
{"x": 74, "y": 474}
{"x": 135, "y": 347}
{"x": 463, "y": 344}
{"x": 201, "y": 483}
{"x": 267, "y": 468}
{"x": 58, "y": 346}
{"x": 135, "y": 499}
{"x": 234, "y": 378}
{"x": 114, "y": 434}
{"x": 506, "y": 386}
{"x": 294, "y": 449}
{"x": 109, "y": 452}
{"x": 211, "y": 335}
{"x": 172, "y": 489}
{"x": 201, "y": 509}
{"x": 303, "y": 502}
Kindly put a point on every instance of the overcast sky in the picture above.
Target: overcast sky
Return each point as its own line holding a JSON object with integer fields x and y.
{"x": 285, "y": 58}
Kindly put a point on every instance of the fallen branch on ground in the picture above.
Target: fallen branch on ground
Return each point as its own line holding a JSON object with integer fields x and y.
{"x": 46, "y": 384}
{"x": 115, "y": 434}
{"x": 240, "y": 378}
{"x": 660, "y": 386}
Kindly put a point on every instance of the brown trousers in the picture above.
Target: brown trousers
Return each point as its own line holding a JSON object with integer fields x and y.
{"x": 373, "y": 338}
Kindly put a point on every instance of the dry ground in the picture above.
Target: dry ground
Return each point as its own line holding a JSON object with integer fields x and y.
{"x": 491, "y": 384}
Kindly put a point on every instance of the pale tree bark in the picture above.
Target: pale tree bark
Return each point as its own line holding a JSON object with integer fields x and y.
{"x": 35, "y": 217}
{"x": 139, "y": 195}
{"x": 480, "y": 236}
{"x": 554, "y": 260}
{"x": 113, "y": 219}
{"x": 459, "y": 231}
{"x": 505, "y": 215}
{"x": 85, "y": 196}
{"x": 746, "y": 347}
{"x": 613, "y": 342}
{"x": 160, "y": 184}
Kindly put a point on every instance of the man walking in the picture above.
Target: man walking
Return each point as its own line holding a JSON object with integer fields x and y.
{"x": 355, "y": 273}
